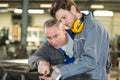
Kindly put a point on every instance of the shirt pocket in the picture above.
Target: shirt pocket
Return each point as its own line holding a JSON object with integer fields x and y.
{"x": 79, "y": 44}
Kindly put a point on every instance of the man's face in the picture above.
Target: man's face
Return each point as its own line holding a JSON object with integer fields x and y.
{"x": 66, "y": 17}
{"x": 55, "y": 36}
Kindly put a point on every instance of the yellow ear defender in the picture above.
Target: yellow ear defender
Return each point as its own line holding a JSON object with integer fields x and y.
{"x": 78, "y": 25}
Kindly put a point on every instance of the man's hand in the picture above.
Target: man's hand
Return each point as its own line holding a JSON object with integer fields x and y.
{"x": 57, "y": 70}
{"x": 44, "y": 77}
{"x": 108, "y": 75}
{"x": 44, "y": 68}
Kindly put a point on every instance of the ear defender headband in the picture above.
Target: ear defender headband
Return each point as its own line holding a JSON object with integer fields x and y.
{"x": 78, "y": 25}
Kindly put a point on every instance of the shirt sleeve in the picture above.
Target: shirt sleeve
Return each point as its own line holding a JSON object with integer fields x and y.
{"x": 40, "y": 54}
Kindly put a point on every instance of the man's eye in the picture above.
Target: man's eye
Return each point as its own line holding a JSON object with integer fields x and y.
{"x": 48, "y": 38}
{"x": 63, "y": 17}
{"x": 56, "y": 36}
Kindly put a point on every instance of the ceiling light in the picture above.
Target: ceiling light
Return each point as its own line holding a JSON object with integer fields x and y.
{"x": 3, "y": 10}
{"x": 45, "y": 5}
{"x": 97, "y": 6}
{"x": 103, "y": 13}
{"x": 18, "y": 11}
{"x": 32, "y": 11}
{"x": 36, "y": 11}
{"x": 4, "y": 5}
{"x": 85, "y": 12}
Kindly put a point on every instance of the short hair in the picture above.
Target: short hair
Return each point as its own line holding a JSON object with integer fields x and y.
{"x": 51, "y": 22}
{"x": 62, "y": 4}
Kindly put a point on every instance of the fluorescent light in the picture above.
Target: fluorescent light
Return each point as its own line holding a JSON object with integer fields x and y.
{"x": 4, "y": 5}
{"x": 103, "y": 13}
{"x": 36, "y": 11}
{"x": 3, "y": 10}
{"x": 17, "y": 11}
{"x": 45, "y": 5}
{"x": 97, "y": 6}
{"x": 85, "y": 12}
{"x": 32, "y": 11}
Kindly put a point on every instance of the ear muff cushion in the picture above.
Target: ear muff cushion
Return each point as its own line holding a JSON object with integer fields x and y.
{"x": 78, "y": 26}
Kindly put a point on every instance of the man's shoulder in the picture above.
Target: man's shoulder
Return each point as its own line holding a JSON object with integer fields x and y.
{"x": 46, "y": 45}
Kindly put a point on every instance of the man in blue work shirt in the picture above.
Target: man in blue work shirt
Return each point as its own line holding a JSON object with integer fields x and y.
{"x": 91, "y": 41}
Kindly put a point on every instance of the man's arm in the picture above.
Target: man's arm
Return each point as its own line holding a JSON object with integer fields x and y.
{"x": 39, "y": 60}
{"x": 40, "y": 54}
{"x": 45, "y": 56}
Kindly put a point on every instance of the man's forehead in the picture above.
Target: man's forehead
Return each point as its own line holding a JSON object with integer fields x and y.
{"x": 58, "y": 17}
{"x": 59, "y": 14}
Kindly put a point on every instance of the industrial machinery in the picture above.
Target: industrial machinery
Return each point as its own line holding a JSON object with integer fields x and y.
{"x": 15, "y": 70}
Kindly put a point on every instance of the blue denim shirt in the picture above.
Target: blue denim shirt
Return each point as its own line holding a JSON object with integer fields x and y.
{"x": 90, "y": 51}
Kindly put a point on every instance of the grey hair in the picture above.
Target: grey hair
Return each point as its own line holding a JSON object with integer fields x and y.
{"x": 51, "y": 22}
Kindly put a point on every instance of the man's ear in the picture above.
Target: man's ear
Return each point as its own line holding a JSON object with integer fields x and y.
{"x": 63, "y": 29}
{"x": 73, "y": 9}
